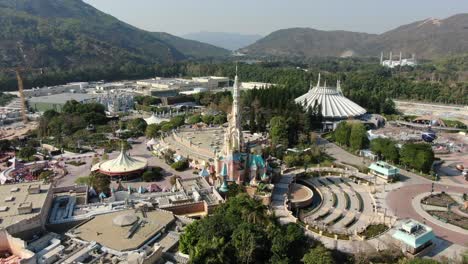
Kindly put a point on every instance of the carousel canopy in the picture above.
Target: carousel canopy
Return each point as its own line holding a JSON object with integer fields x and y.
{"x": 123, "y": 164}
{"x": 154, "y": 120}
{"x": 334, "y": 103}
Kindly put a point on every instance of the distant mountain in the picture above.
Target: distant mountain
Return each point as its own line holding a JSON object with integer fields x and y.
{"x": 70, "y": 33}
{"x": 230, "y": 41}
{"x": 307, "y": 42}
{"x": 428, "y": 39}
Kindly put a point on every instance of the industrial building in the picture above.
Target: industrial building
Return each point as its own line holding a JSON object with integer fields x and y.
{"x": 77, "y": 87}
{"x": 255, "y": 85}
{"x": 212, "y": 82}
{"x": 401, "y": 62}
{"x": 24, "y": 207}
{"x": 57, "y": 101}
{"x": 163, "y": 87}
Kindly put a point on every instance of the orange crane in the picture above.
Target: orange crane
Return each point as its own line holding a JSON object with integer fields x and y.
{"x": 21, "y": 94}
{"x": 24, "y": 107}
{"x": 18, "y": 71}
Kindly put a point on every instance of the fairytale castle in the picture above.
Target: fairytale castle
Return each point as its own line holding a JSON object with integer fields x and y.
{"x": 238, "y": 162}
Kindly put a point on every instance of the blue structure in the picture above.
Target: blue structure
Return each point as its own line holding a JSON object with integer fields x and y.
{"x": 429, "y": 136}
{"x": 414, "y": 236}
{"x": 224, "y": 186}
{"x": 384, "y": 170}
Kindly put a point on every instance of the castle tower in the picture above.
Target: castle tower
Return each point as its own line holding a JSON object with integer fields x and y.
{"x": 235, "y": 130}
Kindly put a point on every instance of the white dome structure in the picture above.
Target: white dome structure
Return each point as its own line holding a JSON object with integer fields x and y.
{"x": 334, "y": 104}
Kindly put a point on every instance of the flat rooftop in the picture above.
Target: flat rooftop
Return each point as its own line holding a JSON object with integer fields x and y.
{"x": 194, "y": 183}
{"x": 62, "y": 98}
{"x": 102, "y": 229}
{"x": 14, "y": 195}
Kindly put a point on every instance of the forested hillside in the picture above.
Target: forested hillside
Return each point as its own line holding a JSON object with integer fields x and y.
{"x": 70, "y": 33}
{"x": 428, "y": 39}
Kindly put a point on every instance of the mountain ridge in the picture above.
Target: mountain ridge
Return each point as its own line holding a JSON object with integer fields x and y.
{"x": 227, "y": 40}
{"x": 428, "y": 38}
{"x": 63, "y": 33}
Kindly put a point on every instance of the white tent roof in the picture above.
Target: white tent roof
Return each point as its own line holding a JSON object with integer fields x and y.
{"x": 154, "y": 120}
{"x": 123, "y": 163}
{"x": 334, "y": 103}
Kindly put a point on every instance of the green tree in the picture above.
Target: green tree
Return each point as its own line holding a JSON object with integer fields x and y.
{"x": 194, "y": 119}
{"x": 207, "y": 119}
{"x": 5, "y": 145}
{"x": 342, "y": 134}
{"x": 46, "y": 175}
{"x": 178, "y": 121}
{"x": 358, "y": 137}
{"x": 418, "y": 156}
{"x": 386, "y": 148}
{"x": 219, "y": 119}
{"x": 180, "y": 165}
{"x": 166, "y": 126}
{"x": 252, "y": 121}
{"x": 154, "y": 174}
{"x": 318, "y": 255}
{"x": 100, "y": 182}
{"x": 279, "y": 131}
{"x": 27, "y": 153}
{"x": 152, "y": 131}
{"x": 246, "y": 239}
{"x": 138, "y": 125}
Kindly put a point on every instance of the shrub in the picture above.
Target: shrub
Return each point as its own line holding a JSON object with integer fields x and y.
{"x": 180, "y": 165}
{"x": 152, "y": 175}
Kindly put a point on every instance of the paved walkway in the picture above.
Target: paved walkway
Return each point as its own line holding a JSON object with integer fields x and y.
{"x": 400, "y": 201}
{"x": 397, "y": 198}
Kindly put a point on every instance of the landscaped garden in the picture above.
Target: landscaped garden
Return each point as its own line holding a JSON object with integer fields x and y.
{"x": 451, "y": 218}
{"x": 76, "y": 163}
{"x": 374, "y": 230}
{"x": 440, "y": 199}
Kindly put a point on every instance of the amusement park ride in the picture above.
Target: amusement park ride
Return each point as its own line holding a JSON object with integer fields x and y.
{"x": 429, "y": 136}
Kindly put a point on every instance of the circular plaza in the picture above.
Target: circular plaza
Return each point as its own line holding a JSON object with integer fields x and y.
{"x": 341, "y": 205}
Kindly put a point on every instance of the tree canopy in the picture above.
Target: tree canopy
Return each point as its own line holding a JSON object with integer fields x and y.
{"x": 241, "y": 231}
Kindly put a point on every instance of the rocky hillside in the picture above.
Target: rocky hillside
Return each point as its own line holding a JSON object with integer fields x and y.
{"x": 428, "y": 39}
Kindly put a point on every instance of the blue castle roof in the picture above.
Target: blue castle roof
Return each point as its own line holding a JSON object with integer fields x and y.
{"x": 224, "y": 170}
{"x": 257, "y": 161}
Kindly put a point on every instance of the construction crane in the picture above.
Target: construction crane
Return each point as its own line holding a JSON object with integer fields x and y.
{"x": 18, "y": 72}
{"x": 21, "y": 94}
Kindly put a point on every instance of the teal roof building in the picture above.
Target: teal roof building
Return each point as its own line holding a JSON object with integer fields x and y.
{"x": 414, "y": 236}
{"x": 384, "y": 170}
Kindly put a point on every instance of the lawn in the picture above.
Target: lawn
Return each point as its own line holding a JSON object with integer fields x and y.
{"x": 374, "y": 230}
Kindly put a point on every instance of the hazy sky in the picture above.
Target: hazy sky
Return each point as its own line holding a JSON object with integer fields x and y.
{"x": 264, "y": 16}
